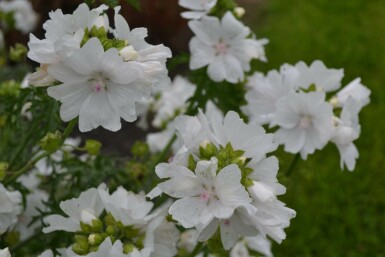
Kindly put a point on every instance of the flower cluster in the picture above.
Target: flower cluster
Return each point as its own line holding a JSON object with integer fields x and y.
{"x": 117, "y": 224}
{"x": 295, "y": 100}
{"x": 103, "y": 71}
{"x": 222, "y": 177}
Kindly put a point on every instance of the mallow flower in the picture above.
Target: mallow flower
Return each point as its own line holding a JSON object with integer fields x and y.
{"x": 97, "y": 86}
{"x": 10, "y": 208}
{"x": 203, "y": 194}
{"x": 305, "y": 122}
{"x": 223, "y": 46}
{"x": 347, "y": 130}
{"x": 198, "y": 8}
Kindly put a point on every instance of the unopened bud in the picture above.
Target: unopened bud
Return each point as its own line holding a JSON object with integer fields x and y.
{"x": 127, "y": 248}
{"x": 51, "y": 142}
{"x": 335, "y": 102}
{"x": 140, "y": 149}
{"x": 9, "y": 88}
{"x": 239, "y": 12}
{"x": 95, "y": 239}
{"x": 18, "y": 52}
{"x": 93, "y": 146}
{"x": 129, "y": 54}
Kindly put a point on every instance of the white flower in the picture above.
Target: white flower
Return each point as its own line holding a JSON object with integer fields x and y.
{"x": 161, "y": 238}
{"x": 64, "y": 33}
{"x": 357, "y": 91}
{"x": 257, "y": 243}
{"x": 87, "y": 207}
{"x": 98, "y": 86}
{"x": 23, "y": 14}
{"x": 188, "y": 239}
{"x": 264, "y": 92}
{"x": 34, "y": 202}
{"x": 204, "y": 194}
{"x": 224, "y": 47}
{"x": 107, "y": 249}
{"x": 10, "y": 208}
{"x": 317, "y": 74}
{"x": 47, "y": 253}
{"x": 40, "y": 78}
{"x": 5, "y": 252}
{"x": 152, "y": 58}
{"x": 127, "y": 207}
{"x": 347, "y": 130}
{"x": 172, "y": 101}
{"x": 199, "y": 8}
{"x": 305, "y": 122}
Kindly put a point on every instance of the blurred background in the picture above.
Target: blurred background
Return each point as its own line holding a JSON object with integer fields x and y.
{"x": 338, "y": 213}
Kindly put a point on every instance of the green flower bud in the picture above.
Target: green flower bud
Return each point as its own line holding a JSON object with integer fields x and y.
{"x": 110, "y": 230}
{"x": 97, "y": 225}
{"x": 93, "y": 146}
{"x": 51, "y": 142}
{"x": 140, "y": 149}
{"x": 95, "y": 239}
{"x": 9, "y": 88}
{"x": 207, "y": 150}
{"x": 3, "y": 170}
{"x": 127, "y": 248}
{"x": 18, "y": 52}
{"x": 109, "y": 220}
{"x": 81, "y": 245}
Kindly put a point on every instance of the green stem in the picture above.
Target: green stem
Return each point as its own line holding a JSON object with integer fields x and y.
{"x": 31, "y": 163}
{"x": 197, "y": 249}
{"x": 292, "y": 165}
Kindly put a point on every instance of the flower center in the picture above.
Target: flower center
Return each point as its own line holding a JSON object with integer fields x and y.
{"x": 221, "y": 48}
{"x": 305, "y": 122}
{"x": 226, "y": 222}
{"x": 205, "y": 195}
{"x": 98, "y": 85}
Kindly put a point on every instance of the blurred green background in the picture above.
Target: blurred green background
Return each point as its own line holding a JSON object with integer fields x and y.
{"x": 338, "y": 213}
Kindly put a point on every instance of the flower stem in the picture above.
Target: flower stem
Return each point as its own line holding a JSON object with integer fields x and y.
{"x": 292, "y": 165}
{"x": 32, "y": 162}
{"x": 197, "y": 249}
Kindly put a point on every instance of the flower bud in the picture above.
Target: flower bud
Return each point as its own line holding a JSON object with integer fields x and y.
{"x": 93, "y": 146}
{"x": 18, "y": 52}
{"x": 95, "y": 239}
{"x": 51, "y": 142}
{"x": 127, "y": 248}
{"x": 129, "y": 54}
{"x": 140, "y": 149}
{"x": 9, "y": 88}
{"x": 239, "y": 12}
{"x": 81, "y": 245}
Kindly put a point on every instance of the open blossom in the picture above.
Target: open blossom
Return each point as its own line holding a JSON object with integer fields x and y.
{"x": 347, "y": 130}
{"x": 10, "y": 208}
{"x": 64, "y": 33}
{"x": 198, "y": 8}
{"x": 203, "y": 193}
{"x": 305, "y": 122}
{"x": 223, "y": 46}
{"x": 87, "y": 207}
{"x": 127, "y": 207}
{"x": 152, "y": 58}
{"x": 23, "y": 14}
{"x": 97, "y": 86}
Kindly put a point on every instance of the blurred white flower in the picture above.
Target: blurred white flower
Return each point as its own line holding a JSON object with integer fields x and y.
{"x": 305, "y": 122}
{"x": 198, "y": 8}
{"x": 23, "y": 14}
{"x": 257, "y": 243}
{"x": 224, "y": 46}
{"x": 5, "y": 252}
{"x": 10, "y": 208}
{"x": 98, "y": 86}
{"x": 357, "y": 91}
{"x": 347, "y": 130}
